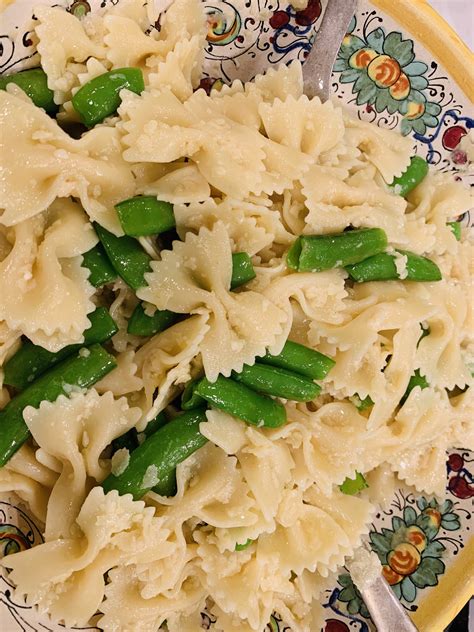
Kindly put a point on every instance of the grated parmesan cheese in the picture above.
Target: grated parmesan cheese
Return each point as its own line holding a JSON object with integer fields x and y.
{"x": 401, "y": 261}
{"x": 365, "y": 568}
{"x": 120, "y": 461}
{"x": 150, "y": 478}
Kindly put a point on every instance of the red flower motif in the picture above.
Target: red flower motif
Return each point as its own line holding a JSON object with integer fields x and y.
{"x": 459, "y": 486}
{"x": 279, "y": 19}
{"x": 310, "y": 14}
{"x": 452, "y": 136}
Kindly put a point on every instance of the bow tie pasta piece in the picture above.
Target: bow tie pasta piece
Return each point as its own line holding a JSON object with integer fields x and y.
{"x": 166, "y": 361}
{"x": 308, "y": 125}
{"x": 252, "y": 225}
{"x": 181, "y": 70}
{"x": 426, "y": 427}
{"x": 44, "y": 289}
{"x": 75, "y": 431}
{"x": 195, "y": 278}
{"x": 9, "y": 342}
{"x": 439, "y": 200}
{"x": 183, "y": 185}
{"x": 389, "y": 152}
{"x": 335, "y": 204}
{"x": 110, "y": 530}
{"x": 91, "y": 168}
{"x": 62, "y": 44}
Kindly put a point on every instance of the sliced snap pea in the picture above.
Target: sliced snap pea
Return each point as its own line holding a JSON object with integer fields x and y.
{"x": 382, "y": 267}
{"x": 130, "y": 439}
{"x": 145, "y": 215}
{"x": 34, "y": 83}
{"x": 300, "y": 359}
{"x": 416, "y": 380}
{"x": 456, "y": 228}
{"x": 101, "y": 270}
{"x": 411, "y": 178}
{"x": 242, "y": 270}
{"x": 31, "y": 361}
{"x": 365, "y": 403}
{"x": 100, "y": 97}
{"x": 189, "y": 398}
{"x": 272, "y": 380}
{"x": 354, "y": 485}
{"x": 314, "y": 253}
{"x": 81, "y": 370}
{"x": 425, "y": 331}
{"x": 245, "y": 545}
{"x": 128, "y": 258}
{"x": 242, "y": 402}
{"x": 142, "y": 325}
{"x": 153, "y": 464}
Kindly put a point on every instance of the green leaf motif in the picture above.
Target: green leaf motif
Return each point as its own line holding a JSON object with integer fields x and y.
{"x": 408, "y": 590}
{"x": 401, "y": 50}
{"x": 419, "y": 83}
{"x": 409, "y": 515}
{"x": 340, "y": 65}
{"x": 397, "y": 522}
{"x": 450, "y": 522}
{"x": 419, "y": 126}
{"x": 406, "y": 127}
{"x": 375, "y": 40}
{"x": 422, "y": 503}
{"x": 415, "y": 68}
{"x": 354, "y": 43}
{"x": 345, "y": 580}
{"x": 366, "y": 94}
{"x": 445, "y": 507}
{"x": 348, "y": 76}
{"x": 433, "y": 108}
{"x": 434, "y": 549}
{"x": 347, "y": 594}
{"x": 381, "y": 545}
{"x": 353, "y": 606}
{"x": 427, "y": 573}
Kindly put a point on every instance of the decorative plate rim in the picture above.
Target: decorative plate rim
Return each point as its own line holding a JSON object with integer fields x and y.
{"x": 430, "y": 29}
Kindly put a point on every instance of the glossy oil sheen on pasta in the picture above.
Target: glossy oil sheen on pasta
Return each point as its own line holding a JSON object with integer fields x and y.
{"x": 247, "y": 168}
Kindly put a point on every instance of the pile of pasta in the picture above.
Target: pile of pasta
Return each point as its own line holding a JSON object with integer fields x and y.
{"x": 248, "y": 168}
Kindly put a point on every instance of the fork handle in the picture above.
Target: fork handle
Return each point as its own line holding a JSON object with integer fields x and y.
{"x": 386, "y": 611}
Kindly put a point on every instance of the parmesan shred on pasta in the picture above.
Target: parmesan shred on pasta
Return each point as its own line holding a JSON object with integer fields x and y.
{"x": 248, "y": 168}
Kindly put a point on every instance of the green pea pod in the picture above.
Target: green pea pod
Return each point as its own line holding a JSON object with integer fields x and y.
{"x": 301, "y": 360}
{"x": 242, "y": 402}
{"x": 456, "y": 228}
{"x": 245, "y": 545}
{"x": 278, "y": 382}
{"x": 100, "y": 97}
{"x": 153, "y": 464}
{"x": 314, "y": 253}
{"x": 411, "y": 178}
{"x": 34, "y": 83}
{"x": 145, "y": 215}
{"x": 382, "y": 267}
{"x": 31, "y": 361}
{"x": 354, "y": 485}
{"x": 97, "y": 262}
{"x": 242, "y": 270}
{"x": 142, "y": 325}
{"x": 81, "y": 370}
{"x": 416, "y": 380}
{"x": 365, "y": 403}
{"x": 189, "y": 398}
{"x": 128, "y": 258}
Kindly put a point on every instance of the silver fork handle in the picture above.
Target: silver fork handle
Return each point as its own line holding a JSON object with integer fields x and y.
{"x": 386, "y": 611}
{"x": 319, "y": 64}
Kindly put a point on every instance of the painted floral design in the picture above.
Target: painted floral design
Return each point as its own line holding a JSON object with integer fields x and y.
{"x": 460, "y": 479}
{"x": 386, "y": 75}
{"x": 410, "y": 552}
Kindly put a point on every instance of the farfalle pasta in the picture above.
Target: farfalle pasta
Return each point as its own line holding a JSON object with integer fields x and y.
{"x": 201, "y": 375}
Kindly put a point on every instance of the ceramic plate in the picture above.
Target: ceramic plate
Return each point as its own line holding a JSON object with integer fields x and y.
{"x": 425, "y": 94}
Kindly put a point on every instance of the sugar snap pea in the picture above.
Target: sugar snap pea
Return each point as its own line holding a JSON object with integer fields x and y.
{"x": 81, "y": 370}
{"x": 365, "y": 403}
{"x": 31, "y": 361}
{"x": 278, "y": 382}
{"x": 153, "y": 464}
{"x": 100, "y": 97}
{"x": 416, "y": 380}
{"x": 300, "y": 359}
{"x": 242, "y": 270}
{"x": 128, "y": 258}
{"x": 354, "y": 485}
{"x": 456, "y": 228}
{"x": 245, "y": 545}
{"x": 411, "y": 178}
{"x": 382, "y": 267}
{"x": 34, "y": 83}
{"x": 242, "y": 402}
{"x": 97, "y": 262}
{"x": 314, "y": 253}
{"x": 189, "y": 398}
{"x": 145, "y": 215}
{"x": 140, "y": 324}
